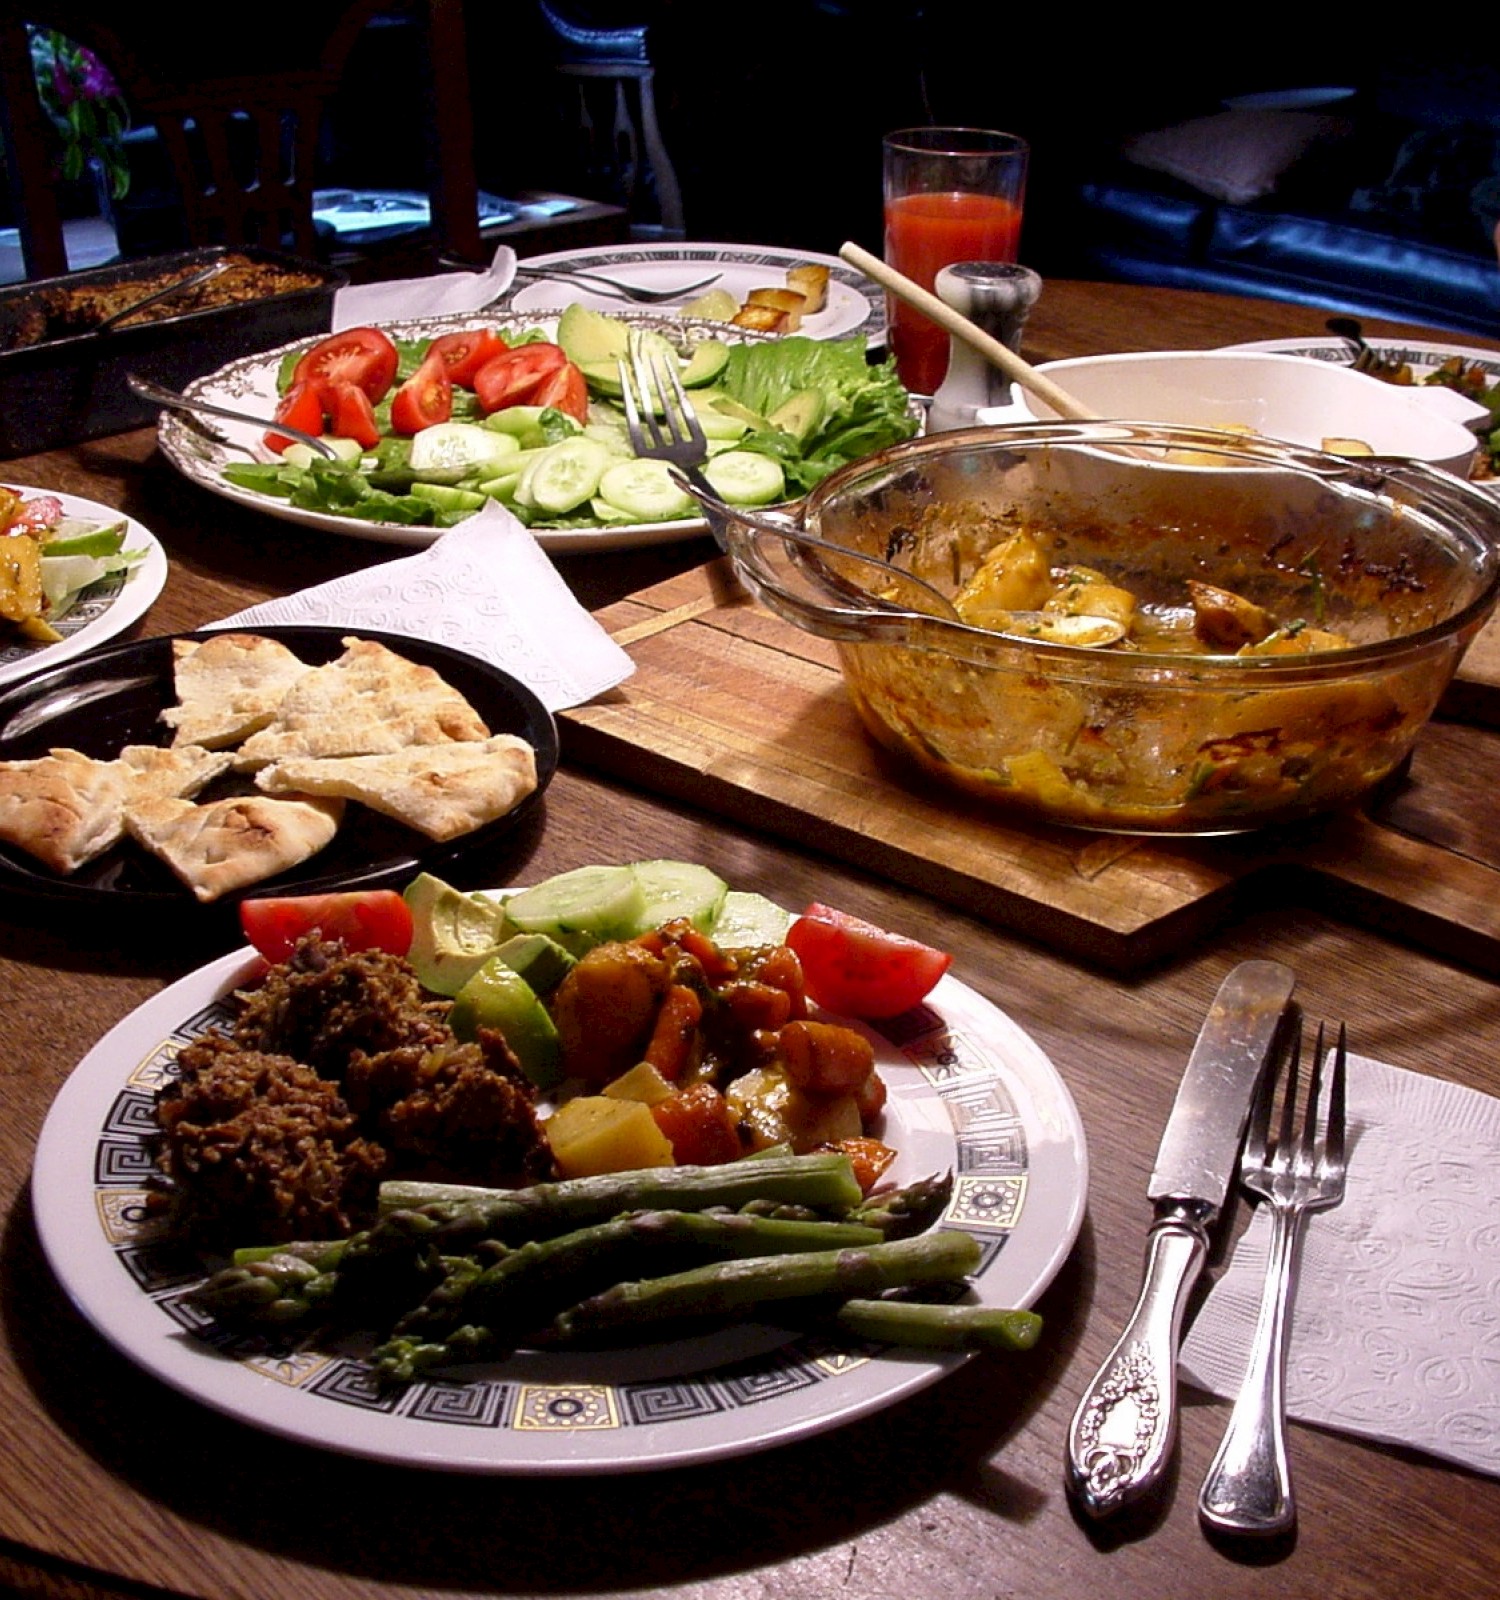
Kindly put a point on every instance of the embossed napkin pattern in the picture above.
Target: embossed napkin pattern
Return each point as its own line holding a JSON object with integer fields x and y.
{"x": 487, "y": 588}
{"x": 1396, "y": 1321}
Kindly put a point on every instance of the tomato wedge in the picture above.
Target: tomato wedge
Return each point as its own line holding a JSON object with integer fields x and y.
{"x": 364, "y": 357}
{"x": 465, "y": 353}
{"x": 365, "y": 919}
{"x": 426, "y": 398}
{"x": 567, "y": 390}
{"x": 300, "y": 407}
{"x": 36, "y": 515}
{"x": 514, "y": 376}
{"x": 860, "y": 970}
{"x": 351, "y": 415}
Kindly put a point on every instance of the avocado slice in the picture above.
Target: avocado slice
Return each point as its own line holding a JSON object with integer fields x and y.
{"x": 590, "y": 336}
{"x": 706, "y": 363}
{"x": 500, "y": 998}
{"x": 541, "y": 961}
{"x": 800, "y": 414}
{"x": 453, "y": 934}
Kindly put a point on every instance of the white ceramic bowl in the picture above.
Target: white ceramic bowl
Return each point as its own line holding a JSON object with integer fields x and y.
{"x": 1281, "y": 396}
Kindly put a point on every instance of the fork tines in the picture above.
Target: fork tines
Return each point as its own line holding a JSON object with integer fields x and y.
{"x": 1299, "y": 1155}
{"x": 647, "y": 382}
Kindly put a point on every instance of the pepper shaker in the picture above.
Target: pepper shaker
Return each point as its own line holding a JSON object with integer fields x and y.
{"x": 997, "y": 297}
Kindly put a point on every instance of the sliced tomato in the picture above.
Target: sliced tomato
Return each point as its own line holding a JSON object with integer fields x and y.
{"x": 351, "y": 416}
{"x": 365, "y": 919}
{"x": 860, "y": 970}
{"x": 364, "y": 357}
{"x": 302, "y": 406}
{"x": 426, "y": 398}
{"x": 35, "y": 515}
{"x": 567, "y": 390}
{"x": 463, "y": 354}
{"x": 514, "y": 376}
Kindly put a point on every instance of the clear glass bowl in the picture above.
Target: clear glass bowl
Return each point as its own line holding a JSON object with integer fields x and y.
{"x": 1401, "y": 560}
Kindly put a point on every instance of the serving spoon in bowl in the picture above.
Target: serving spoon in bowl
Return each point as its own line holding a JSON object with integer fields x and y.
{"x": 1041, "y": 626}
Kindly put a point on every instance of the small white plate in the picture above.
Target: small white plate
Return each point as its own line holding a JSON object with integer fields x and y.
{"x": 103, "y": 610}
{"x": 855, "y": 305}
{"x": 970, "y": 1092}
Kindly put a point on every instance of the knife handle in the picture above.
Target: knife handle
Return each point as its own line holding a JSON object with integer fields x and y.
{"x": 1126, "y": 1423}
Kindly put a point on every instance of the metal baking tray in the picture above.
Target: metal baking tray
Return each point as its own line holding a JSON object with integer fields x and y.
{"x": 64, "y": 390}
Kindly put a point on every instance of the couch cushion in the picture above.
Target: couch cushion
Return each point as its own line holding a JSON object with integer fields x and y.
{"x": 1236, "y": 156}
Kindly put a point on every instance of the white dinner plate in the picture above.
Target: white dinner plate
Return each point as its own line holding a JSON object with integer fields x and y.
{"x": 970, "y": 1092}
{"x": 104, "y": 609}
{"x": 855, "y": 304}
{"x": 249, "y": 384}
{"x": 1422, "y": 355}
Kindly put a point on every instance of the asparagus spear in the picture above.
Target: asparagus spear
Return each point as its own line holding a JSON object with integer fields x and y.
{"x": 823, "y": 1179}
{"x": 376, "y": 1274}
{"x": 731, "y": 1286}
{"x": 492, "y": 1310}
{"x": 912, "y": 1322}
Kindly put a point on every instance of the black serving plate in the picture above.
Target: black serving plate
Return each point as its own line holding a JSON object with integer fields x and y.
{"x": 115, "y": 697}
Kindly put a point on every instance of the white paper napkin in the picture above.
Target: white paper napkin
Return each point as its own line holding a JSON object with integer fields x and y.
{"x": 486, "y": 587}
{"x": 447, "y": 294}
{"x": 1396, "y": 1320}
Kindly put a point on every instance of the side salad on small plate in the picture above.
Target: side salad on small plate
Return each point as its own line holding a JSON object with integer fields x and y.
{"x": 432, "y": 420}
{"x": 74, "y": 574}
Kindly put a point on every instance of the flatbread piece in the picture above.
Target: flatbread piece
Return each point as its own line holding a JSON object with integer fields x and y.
{"x": 443, "y": 790}
{"x": 368, "y": 702}
{"x": 230, "y": 843}
{"x": 228, "y": 687}
{"x": 65, "y": 808}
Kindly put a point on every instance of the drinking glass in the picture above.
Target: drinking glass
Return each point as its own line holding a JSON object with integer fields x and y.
{"x": 951, "y": 194}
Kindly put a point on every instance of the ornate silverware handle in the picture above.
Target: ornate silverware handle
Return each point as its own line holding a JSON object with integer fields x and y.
{"x": 1249, "y": 1486}
{"x": 1125, "y": 1426}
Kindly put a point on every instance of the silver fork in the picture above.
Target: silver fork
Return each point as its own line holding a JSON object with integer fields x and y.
{"x": 670, "y": 431}
{"x": 613, "y": 286}
{"x": 1248, "y": 1489}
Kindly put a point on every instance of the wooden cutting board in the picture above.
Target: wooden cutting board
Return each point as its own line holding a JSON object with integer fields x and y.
{"x": 739, "y": 713}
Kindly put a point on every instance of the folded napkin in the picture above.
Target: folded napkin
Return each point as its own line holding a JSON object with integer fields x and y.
{"x": 448, "y": 294}
{"x": 1396, "y": 1319}
{"x": 487, "y": 588}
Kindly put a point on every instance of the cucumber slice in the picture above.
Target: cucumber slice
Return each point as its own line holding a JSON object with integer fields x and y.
{"x": 611, "y": 516}
{"x": 597, "y": 902}
{"x": 679, "y": 889}
{"x": 746, "y": 479}
{"x": 747, "y": 921}
{"x": 446, "y": 498}
{"x": 451, "y": 451}
{"x": 522, "y": 423}
{"x": 567, "y": 475}
{"x": 645, "y": 489}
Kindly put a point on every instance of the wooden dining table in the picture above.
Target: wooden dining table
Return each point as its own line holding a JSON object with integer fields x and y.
{"x": 117, "y": 1485}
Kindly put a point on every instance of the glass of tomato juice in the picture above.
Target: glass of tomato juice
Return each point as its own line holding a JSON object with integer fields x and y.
{"x": 951, "y": 194}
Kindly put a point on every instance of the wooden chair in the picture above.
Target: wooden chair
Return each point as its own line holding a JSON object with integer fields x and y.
{"x": 242, "y": 145}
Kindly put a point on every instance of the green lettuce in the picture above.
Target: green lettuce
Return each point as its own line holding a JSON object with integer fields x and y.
{"x": 866, "y": 408}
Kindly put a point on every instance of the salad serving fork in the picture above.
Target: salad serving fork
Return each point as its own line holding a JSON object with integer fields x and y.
{"x": 1248, "y": 1489}
{"x": 159, "y": 395}
{"x": 663, "y": 426}
{"x": 613, "y": 286}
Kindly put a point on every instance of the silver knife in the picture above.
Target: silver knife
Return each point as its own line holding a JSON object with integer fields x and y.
{"x": 1126, "y": 1423}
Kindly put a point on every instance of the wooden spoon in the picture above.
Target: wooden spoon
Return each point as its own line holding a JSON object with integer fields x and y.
{"x": 997, "y": 354}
